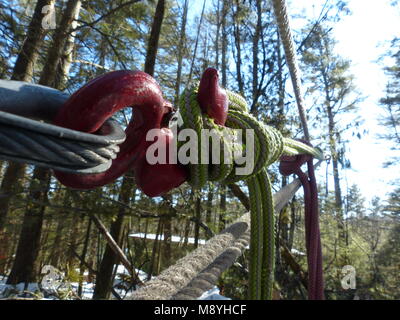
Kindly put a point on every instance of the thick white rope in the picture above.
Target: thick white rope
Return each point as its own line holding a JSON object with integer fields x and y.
{"x": 282, "y": 18}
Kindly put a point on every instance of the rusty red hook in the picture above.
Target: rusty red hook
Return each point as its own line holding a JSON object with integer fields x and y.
{"x": 89, "y": 107}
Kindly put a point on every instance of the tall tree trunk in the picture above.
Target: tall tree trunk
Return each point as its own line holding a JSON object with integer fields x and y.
{"x": 218, "y": 14}
{"x": 210, "y": 196}
{"x": 197, "y": 221}
{"x": 224, "y": 44}
{"x": 205, "y": 57}
{"x": 28, "y": 245}
{"x": 222, "y": 207}
{"x": 23, "y": 68}
{"x": 73, "y": 243}
{"x": 180, "y": 51}
{"x": 104, "y": 277}
{"x": 63, "y": 216}
{"x": 167, "y": 252}
{"x": 335, "y": 163}
{"x": 56, "y": 249}
{"x": 342, "y": 232}
{"x": 256, "y": 40}
{"x": 8, "y": 188}
{"x": 152, "y": 45}
{"x": 11, "y": 250}
{"x": 61, "y": 36}
{"x": 167, "y": 223}
{"x": 186, "y": 233}
{"x": 153, "y": 262}
{"x": 281, "y": 90}
{"x": 238, "y": 44}
{"x": 92, "y": 261}
{"x": 23, "y": 71}
{"x": 67, "y": 57}
{"x": 83, "y": 256}
{"x": 197, "y": 42}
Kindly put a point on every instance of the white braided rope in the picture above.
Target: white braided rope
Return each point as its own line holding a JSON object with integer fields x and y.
{"x": 282, "y": 18}
{"x": 176, "y": 277}
{"x": 200, "y": 269}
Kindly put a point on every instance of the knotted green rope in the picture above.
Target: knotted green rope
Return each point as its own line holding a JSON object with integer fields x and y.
{"x": 269, "y": 145}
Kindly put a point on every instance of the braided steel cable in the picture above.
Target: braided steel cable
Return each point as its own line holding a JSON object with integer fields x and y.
{"x": 29, "y": 141}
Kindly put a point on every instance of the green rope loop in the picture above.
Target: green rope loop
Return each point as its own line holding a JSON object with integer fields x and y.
{"x": 269, "y": 146}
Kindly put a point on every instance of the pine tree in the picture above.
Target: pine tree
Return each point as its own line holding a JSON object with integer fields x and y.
{"x": 355, "y": 202}
{"x": 391, "y": 103}
{"x": 393, "y": 204}
{"x": 333, "y": 92}
{"x": 332, "y": 86}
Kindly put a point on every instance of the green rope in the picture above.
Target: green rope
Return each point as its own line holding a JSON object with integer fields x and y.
{"x": 269, "y": 145}
{"x": 256, "y": 239}
{"x": 268, "y": 262}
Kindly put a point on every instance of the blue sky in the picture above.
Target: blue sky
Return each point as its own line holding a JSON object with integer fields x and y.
{"x": 363, "y": 37}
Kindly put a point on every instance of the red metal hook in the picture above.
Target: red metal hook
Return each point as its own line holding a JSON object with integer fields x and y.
{"x": 212, "y": 98}
{"x": 88, "y": 108}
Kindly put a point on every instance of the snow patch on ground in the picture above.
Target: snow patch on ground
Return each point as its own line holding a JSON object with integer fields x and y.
{"x": 213, "y": 294}
{"x": 153, "y": 236}
{"x": 70, "y": 289}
